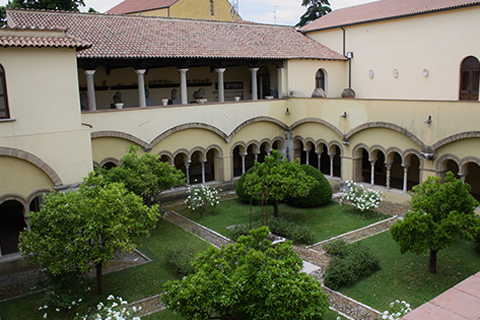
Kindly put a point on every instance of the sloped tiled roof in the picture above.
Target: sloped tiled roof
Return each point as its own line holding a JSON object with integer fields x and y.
{"x": 136, "y": 37}
{"x": 131, "y": 6}
{"x": 383, "y": 10}
{"x": 22, "y": 38}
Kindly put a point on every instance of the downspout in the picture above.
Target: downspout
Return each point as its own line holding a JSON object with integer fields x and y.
{"x": 344, "y": 37}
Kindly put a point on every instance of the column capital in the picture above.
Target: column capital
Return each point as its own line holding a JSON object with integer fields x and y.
{"x": 220, "y": 70}
{"x": 254, "y": 69}
{"x": 140, "y": 71}
{"x": 183, "y": 70}
{"x": 89, "y": 72}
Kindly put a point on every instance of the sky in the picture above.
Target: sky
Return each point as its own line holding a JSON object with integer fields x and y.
{"x": 287, "y": 11}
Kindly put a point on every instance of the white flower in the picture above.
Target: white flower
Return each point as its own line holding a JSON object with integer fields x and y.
{"x": 110, "y": 297}
{"x": 45, "y": 316}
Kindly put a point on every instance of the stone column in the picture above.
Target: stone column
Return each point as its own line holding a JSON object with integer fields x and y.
{"x": 256, "y": 155}
{"x": 288, "y": 147}
{"x": 372, "y": 173}
{"x": 183, "y": 85}
{"x": 221, "y": 86}
{"x": 307, "y": 155}
{"x": 280, "y": 82}
{"x": 319, "y": 155}
{"x": 92, "y": 103}
{"x": 254, "y": 83}
{"x": 142, "y": 102}
{"x": 203, "y": 170}
{"x": 405, "y": 176}
{"x": 332, "y": 156}
{"x": 243, "y": 155}
{"x": 187, "y": 169}
{"x": 463, "y": 176}
{"x": 388, "y": 173}
{"x": 269, "y": 152}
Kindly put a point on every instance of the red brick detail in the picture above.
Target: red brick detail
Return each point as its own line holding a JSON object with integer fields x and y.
{"x": 120, "y": 135}
{"x": 320, "y": 121}
{"x": 455, "y": 137}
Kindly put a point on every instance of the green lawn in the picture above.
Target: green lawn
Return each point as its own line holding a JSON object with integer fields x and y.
{"x": 405, "y": 276}
{"x": 326, "y": 222}
{"x": 132, "y": 284}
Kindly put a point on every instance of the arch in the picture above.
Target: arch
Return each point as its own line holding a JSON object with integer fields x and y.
{"x": 212, "y": 165}
{"x": 319, "y": 121}
{"x": 390, "y": 154}
{"x": 12, "y": 221}
{"x": 441, "y": 163}
{"x": 380, "y": 171}
{"x": 469, "y": 79}
{"x": 166, "y": 156}
{"x": 120, "y": 135}
{"x": 195, "y": 171}
{"x": 456, "y": 137}
{"x": 255, "y": 120}
{"x": 33, "y": 159}
{"x": 387, "y": 125}
{"x": 395, "y": 172}
{"x": 108, "y": 160}
{"x": 472, "y": 177}
{"x": 320, "y": 79}
{"x": 193, "y": 125}
{"x": 336, "y": 160}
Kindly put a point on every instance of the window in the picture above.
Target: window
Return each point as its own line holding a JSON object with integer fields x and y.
{"x": 320, "y": 79}
{"x": 211, "y": 7}
{"x": 3, "y": 95}
{"x": 469, "y": 79}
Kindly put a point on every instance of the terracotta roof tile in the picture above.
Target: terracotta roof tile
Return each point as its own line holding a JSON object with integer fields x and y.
{"x": 131, "y": 6}
{"x": 382, "y": 10}
{"x": 19, "y": 37}
{"x": 117, "y": 37}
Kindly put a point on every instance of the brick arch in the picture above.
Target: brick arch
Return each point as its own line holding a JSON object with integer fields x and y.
{"x": 120, "y": 135}
{"x": 193, "y": 125}
{"x": 255, "y": 120}
{"x": 335, "y": 144}
{"x": 14, "y": 197}
{"x": 356, "y": 150}
{"x": 386, "y": 125}
{"x": 456, "y": 137}
{"x": 215, "y": 147}
{"x": 319, "y": 121}
{"x": 439, "y": 163}
{"x": 469, "y": 159}
{"x": 109, "y": 159}
{"x": 33, "y": 159}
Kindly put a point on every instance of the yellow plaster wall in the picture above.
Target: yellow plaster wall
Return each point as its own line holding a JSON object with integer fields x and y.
{"x": 163, "y": 12}
{"x": 301, "y": 77}
{"x": 43, "y": 99}
{"x": 437, "y": 42}
{"x": 103, "y": 148}
{"x": 200, "y": 9}
{"x": 23, "y": 177}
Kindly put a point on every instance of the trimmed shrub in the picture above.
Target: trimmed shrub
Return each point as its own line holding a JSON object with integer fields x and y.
{"x": 299, "y": 234}
{"x": 350, "y": 262}
{"x": 180, "y": 260}
{"x": 319, "y": 195}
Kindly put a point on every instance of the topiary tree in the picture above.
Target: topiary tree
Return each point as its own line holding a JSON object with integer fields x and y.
{"x": 319, "y": 195}
{"x": 441, "y": 212}
{"x": 280, "y": 177}
{"x": 146, "y": 176}
{"x": 251, "y": 279}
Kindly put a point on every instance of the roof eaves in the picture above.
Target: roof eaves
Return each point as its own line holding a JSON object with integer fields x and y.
{"x": 393, "y": 17}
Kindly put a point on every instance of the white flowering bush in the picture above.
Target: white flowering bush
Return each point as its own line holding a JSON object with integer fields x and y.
{"x": 115, "y": 309}
{"x": 397, "y": 310}
{"x": 360, "y": 198}
{"x": 203, "y": 198}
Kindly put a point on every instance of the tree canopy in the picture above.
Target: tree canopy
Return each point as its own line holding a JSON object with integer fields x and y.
{"x": 251, "y": 279}
{"x": 67, "y": 5}
{"x": 146, "y": 176}
{"x": 77, "y": 229}
{"x": 280, "y": 178}
{"x": 441, "y": 212}
{"x": 315, "y": 10}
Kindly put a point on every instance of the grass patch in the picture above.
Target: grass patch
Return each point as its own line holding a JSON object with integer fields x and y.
{"x": 132, "y": 284}
{"x": 405, "y": 276}
{"x": 325, "y": 222}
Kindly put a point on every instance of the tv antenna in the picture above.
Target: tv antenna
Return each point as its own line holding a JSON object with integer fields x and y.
{"x": 275, "y": 13}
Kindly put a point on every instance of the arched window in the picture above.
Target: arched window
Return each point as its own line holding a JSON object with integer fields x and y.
{"x": 320, "y": 79}
{"x": 3, "y": 95}
{"x": 469, "y": 79}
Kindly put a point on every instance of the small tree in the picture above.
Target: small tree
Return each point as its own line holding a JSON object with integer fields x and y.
{"x": 251, "y": 279}
{"x": 440, "y": 213}
{"x": 280, "y": 178}
{"x": 77, "y": 229}
{"x": 67, "y": 5}
{"x": 146, "y": 176}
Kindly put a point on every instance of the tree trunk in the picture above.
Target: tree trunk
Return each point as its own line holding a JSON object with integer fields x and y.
{"x": 275, "y": 210}
{"x": 432, "y": 261}
{"x": 99, "y": 278}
